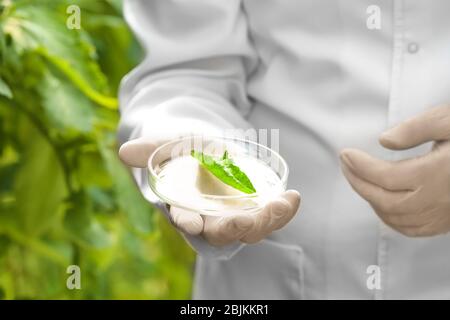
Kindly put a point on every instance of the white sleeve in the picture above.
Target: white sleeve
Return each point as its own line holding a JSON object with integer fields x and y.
{"x": 193, "y": 78}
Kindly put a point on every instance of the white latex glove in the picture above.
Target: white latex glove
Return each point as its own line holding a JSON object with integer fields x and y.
{"x": 412, "y": 196}
{"x": 219, "y": 231}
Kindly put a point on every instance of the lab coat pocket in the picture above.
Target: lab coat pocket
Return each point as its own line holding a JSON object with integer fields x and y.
{"x": 267, "y": 270}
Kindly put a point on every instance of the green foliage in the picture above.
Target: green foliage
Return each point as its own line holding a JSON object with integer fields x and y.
{"x": 224, "y": 169}
{"x": 65, "y": 198}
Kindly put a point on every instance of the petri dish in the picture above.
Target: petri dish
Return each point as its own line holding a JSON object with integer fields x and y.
{"x": 179, "y": 180}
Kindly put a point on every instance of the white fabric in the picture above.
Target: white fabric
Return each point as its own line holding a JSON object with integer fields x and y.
{"x": 314, "y": 70}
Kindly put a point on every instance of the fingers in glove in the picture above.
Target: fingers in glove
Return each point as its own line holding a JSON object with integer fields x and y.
{"x": 221, "y": 231}
{"x": 416, "y": 231}
{"x": 386, "y": 202}
{"x": 135, "y": 153}
{"x": 427, "y": 228}
{"x": 274, "y": 216}
{"x": 431, "y": 125}
{"x": 279, "y": 218}
{"x": 400, "y": 175}
{"x": 187, "y": 221}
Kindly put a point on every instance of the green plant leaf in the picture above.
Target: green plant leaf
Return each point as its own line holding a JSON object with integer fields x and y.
{"x": 37, "y": 246}
{"x": 225, "y": 170}
{"x": 83, "y": 225}
{"x": 79, "y": 82}
{"x": 136, "y": 208}
{"x": 5, "y": 90}
{"x": 39, "y": 186}
{"x": 65, "y": 197}
{"x": 41, "y": 28}
{"x": 66, "y": 107}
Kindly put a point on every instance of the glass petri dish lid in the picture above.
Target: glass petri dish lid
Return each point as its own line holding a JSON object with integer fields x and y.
{"x": 179, "y": 179}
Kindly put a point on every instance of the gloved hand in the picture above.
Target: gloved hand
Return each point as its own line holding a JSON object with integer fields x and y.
{"x": 412, "y": 196}
{"x": 219, "y": 231}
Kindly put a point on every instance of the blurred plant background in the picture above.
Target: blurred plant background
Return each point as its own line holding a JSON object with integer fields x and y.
{"x": 65, "y": 198}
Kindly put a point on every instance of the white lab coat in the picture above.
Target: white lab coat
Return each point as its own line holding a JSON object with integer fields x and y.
{"x": 314, "y": 70}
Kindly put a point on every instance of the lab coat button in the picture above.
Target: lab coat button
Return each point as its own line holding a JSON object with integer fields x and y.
{"x": 413, "y": 47}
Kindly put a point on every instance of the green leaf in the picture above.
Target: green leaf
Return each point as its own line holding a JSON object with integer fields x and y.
{"x": 79, "y": 82}
{"x": 39, "y": 186}
{"x": 66, "y": 107}
{"x": 58, "y": 142}
{"x": 116, "y": 4}
{"x": 111, "y": 32}
{"x": 36, "y": 245}
{"x": 4, "y": 243}
{"x": 81, "y": 223}
{"x": 41, "y": 30}
{"x": 101, "y": 199}
{"x": 5, "y": 90}
{"x": 92, "y": 171}
{"x": 226, "y": 171}
{"x": 132, "y": 203}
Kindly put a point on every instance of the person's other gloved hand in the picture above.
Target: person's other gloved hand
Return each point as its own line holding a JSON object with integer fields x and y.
{"x": 412, "y": 196}
{"x": 219, "y": 231}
